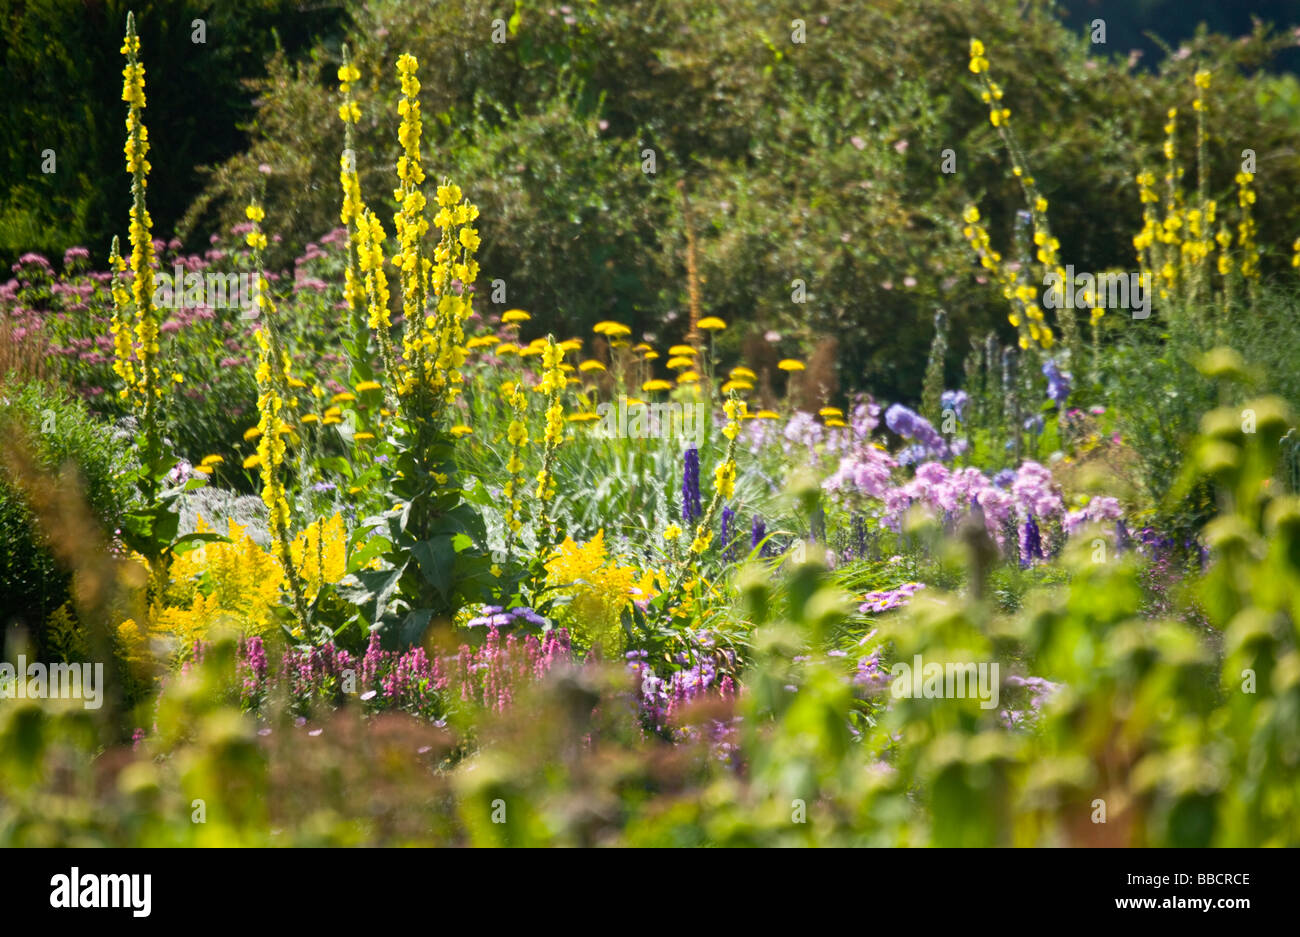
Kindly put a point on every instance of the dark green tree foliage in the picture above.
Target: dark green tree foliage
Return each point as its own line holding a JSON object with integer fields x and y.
{"x": 61, "y": 67}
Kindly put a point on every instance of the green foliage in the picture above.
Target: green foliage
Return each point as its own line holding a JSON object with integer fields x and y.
{"x": 33, "y": 585}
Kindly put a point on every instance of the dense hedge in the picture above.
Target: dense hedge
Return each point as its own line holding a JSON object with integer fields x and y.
{"x": 804, "y": 160}
{"x": 33, "y": 585}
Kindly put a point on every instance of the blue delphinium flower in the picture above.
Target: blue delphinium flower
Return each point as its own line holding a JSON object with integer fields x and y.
{"x": 956, "y": 401}
{"x": 691, "y": 508}
{"x": 1058, "y": 383}
{"x": 756, "y": 534}
{"x": 911, "y": 425}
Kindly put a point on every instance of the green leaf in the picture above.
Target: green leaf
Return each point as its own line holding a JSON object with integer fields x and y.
{"x": 437, "y": 558}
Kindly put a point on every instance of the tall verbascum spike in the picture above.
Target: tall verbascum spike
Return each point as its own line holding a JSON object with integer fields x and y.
{"x": 123, "y": 349}
{"x": 370, "y": 259}
{"x": 146, "y": 374}
{"x": 410, "y": 226}
{"x": 353, "y": 206}
{"x": 273, "y": 375}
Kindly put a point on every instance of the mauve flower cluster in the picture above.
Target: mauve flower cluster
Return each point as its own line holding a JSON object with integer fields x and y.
{"x": 312, "y": 672}
{"x": 886, "y": 599}
{"x": 866, "y": 470}
{"x": 659, "y": 699}
{"x": 410, "y": 680}
{"x": 1039, "y": 690}
{"x": 1095, "y": 512}
{"x": 870, "y": 677}
{"x": 489, "y": 675}
{"x": 252, "y": 671}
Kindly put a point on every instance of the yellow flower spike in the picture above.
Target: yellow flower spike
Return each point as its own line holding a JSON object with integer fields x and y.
{"x": 672, "y": 532}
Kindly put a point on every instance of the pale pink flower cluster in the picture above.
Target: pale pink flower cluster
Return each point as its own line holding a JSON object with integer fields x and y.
{"x": 1096, "y": 511}
{"x": 955, "y": 491}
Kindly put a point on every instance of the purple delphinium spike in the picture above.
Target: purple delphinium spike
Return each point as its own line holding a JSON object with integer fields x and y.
{"x": 691, "y": 508}
{"x": 728, "y": 522}
{"x": 1031, "y": 543}
{"x": 756, "y": 534}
